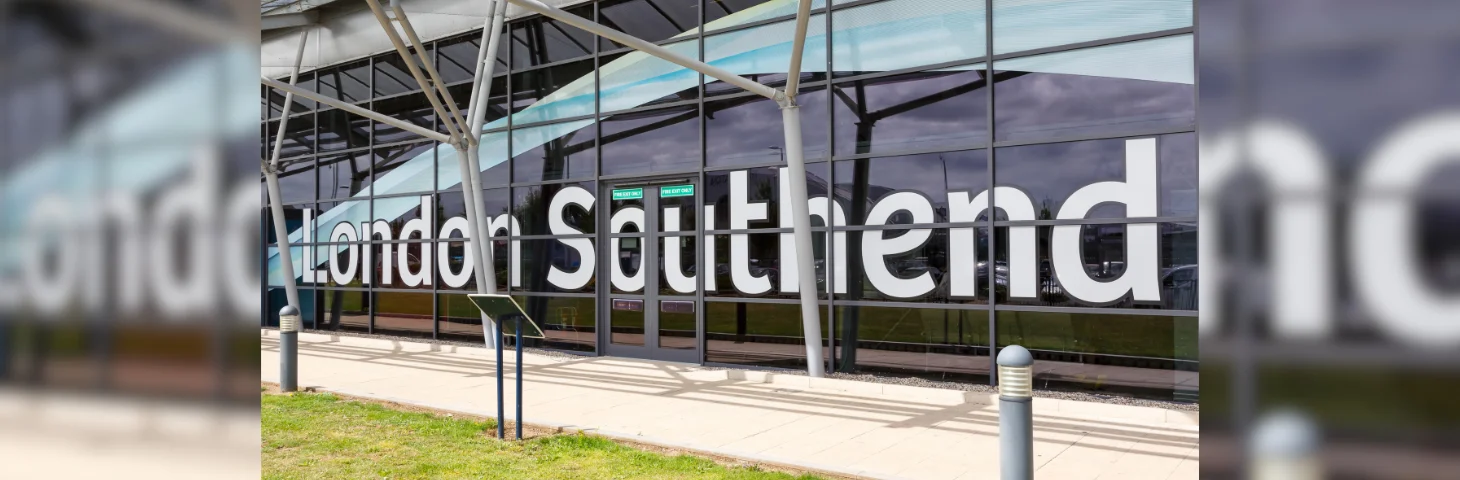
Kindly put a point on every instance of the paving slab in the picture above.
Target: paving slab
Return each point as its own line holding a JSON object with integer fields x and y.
{"x": 838, "y": 426}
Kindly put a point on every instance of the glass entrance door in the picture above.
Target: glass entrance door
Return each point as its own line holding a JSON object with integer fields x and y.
{"x": 650, "y": 258}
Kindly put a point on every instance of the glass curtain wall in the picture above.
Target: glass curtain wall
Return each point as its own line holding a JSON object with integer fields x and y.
{"x": 918, "y": 117}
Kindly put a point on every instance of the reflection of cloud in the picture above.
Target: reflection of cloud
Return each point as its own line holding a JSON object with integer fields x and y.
{"x": 958, "y": 119}
{"x": 1048, "y": 105}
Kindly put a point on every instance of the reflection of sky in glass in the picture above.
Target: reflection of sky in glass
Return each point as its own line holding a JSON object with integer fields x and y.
{"x": 1029, "y": 24}
{"x": 1049, "y": 173}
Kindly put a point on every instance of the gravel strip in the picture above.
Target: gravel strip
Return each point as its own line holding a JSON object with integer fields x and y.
{"x": 982, "y": 388}
{"x": 860, "y": 377}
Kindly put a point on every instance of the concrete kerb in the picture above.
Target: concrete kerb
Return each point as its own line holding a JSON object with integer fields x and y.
{"x": 1153, "y": 416}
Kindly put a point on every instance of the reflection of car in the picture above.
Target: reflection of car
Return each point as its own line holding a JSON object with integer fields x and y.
{"x": 1179, "y": 288}
{"x": 914, "y": 267}
{"x": 1105, "y": 270}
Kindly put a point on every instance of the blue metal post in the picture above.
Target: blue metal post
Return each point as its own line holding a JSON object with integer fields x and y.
{"x": 501, "y": 407}
{"x": 519, "y": 377}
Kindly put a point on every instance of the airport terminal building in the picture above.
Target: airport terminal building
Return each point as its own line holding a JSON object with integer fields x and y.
{"x": 981, "y": 173}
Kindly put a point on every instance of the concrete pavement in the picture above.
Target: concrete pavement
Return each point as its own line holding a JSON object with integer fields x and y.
{"x": 854, "y": 428}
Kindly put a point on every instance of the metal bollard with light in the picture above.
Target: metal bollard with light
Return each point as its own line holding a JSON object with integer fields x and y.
{"x": 1285, "y": 446}
{"x": 288, "y": 348}
{"x": 1016, "y": 413}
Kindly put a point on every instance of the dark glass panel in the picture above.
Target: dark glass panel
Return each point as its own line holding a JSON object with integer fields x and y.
{"x": 459, "y": 318}
{"x": 762, "y": 261}
{"x": 1139, "y": 355}
{"x": 301, "y": 104}
{"x": 408, "y": 314}
{"x": 864, "y": 182}
{"x": 628, "y": 255}
{"x": 655, "y": 141}
{"x": 456, "y": 58}
{"x": 457, "y": 258}
{"x": 450, "y": 204}
{"x": 926, "y": 264}
{"x": 687, "y": 264}
{"x": 343, "y": 175}
{"x": 1046, "y": 106}
{"x": 913, "y": 111}
{"x": 496, "y": 104}
{"x": 392, "y": 76}
{"x": 350, "y": 83}
{"x": 934, "y": 343}
{"x": 293, "y": 220}
{"x": 1050, "y": 173}
{"x": 717, "y": 9}
{"x": 411, "y": 108}
{"x": 398, "y": 210}
{"x": 626, "y": 321}
{"x": 298, "y": 137}
{"x": 1178, "y": 174}
{"x": 1105, "y": 256}
{"x": 347, "y": 258}
{"x": 296, "y": 182}
{"x": 761, "y": 334}
{"x": 685, "y": 204}
{"x": 554, "y": 152}
{"x": 530, "y": 86}
{"x": 413, "y": 254}
{"x": 530, "y": 206}
{"x": 540, "y": 255}
{"x": 539, "y": 40}
{"x": 268, "y": 105}
{"x": 761, "y": 185}
{"x": 677, "y": 324}
{"x": 340, "y": 310}
{"x": 568, "y": 323}
{"x": 749, "y": 130}
{"x": 341, "y": 130}
{"x": 651, "y": 20}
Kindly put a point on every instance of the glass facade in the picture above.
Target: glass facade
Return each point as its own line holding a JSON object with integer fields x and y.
{"x": 977, "y": 179}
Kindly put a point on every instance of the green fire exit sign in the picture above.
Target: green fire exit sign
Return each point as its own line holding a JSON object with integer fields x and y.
{"x": 677, "y": 191}
{"x": 628, "y": 193}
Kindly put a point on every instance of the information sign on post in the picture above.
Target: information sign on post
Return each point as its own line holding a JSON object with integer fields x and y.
{"x": 505, "y": 312}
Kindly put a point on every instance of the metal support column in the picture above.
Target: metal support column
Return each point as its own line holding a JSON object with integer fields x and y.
{"x": 801, "y": 228}
{"x": 481, "y": 95}
{"x": 288, "y": 352}
{"x": 800, "y": 210}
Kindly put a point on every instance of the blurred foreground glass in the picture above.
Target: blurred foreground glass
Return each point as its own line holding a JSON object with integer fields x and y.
{"x": 129, "y": 238}
{"x": 1330, "y": 194}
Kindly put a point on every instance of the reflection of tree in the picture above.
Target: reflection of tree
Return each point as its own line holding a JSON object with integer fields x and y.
{"x": 861, "y": 168}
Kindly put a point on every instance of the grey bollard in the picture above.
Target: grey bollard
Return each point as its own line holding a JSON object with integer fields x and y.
{"x": 1285, "y": 446}
{"x": 1016, "y": 413}
{"x": 288, "y": 349}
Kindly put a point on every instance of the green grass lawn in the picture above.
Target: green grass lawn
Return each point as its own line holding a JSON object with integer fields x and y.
{"x": 322, "y": 436}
